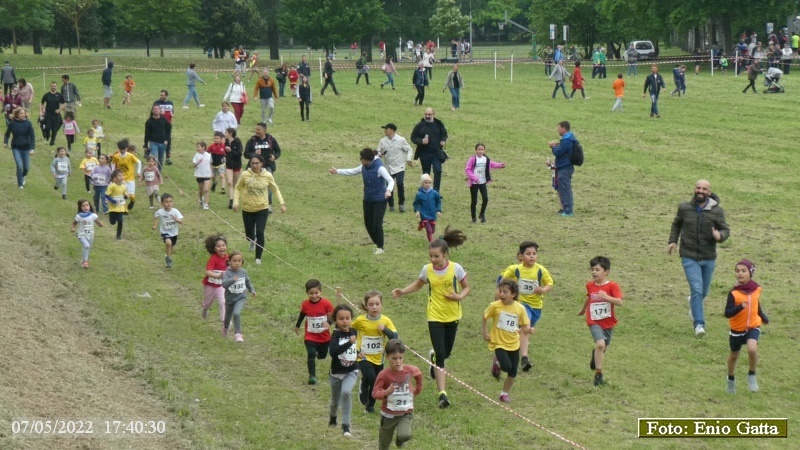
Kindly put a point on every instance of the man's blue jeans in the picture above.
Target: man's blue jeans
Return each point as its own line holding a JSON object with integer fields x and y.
{"x": 698, "y": 274}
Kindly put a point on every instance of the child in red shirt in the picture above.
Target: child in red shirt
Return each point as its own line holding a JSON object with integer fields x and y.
{"x": 217, "y": 150}
{"x": 577, "y": 81}
{"x": 293, "y": 79}
{"x": 317, "y": 312}
{"x": 217, "y": 247}
{"x": 601, "y": 297}
{"x": 393, "y": 387}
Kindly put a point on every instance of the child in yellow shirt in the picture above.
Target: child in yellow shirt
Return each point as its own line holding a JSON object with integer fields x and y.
{"x": 87, "y": 165}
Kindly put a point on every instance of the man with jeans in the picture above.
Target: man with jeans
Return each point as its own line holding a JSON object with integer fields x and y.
{"x": 700, "y": 224}
{"x": 396, "y": 153}
{"x": 564, "y": 169}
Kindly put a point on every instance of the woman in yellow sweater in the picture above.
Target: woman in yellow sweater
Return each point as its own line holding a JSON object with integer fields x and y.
{"x": 252, "y": 194}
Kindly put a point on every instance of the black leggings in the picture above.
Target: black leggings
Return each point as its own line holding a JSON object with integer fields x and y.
{"x": 373, "y": 220}
{"x": 329, "y": 81}
{"x": 751, "y": 85}
{"x": 315, "y": 351}
{"x": 307, "y": 114}
{"x": 443, "y": 336}
{"x": 369, "y": 372}
{"x": 116, "y": 218}
{"x": 509, "y": 361}
{"x": 254, "y": 224}
{"x": 473, "y": 192}
{"x": 88, "y": 181}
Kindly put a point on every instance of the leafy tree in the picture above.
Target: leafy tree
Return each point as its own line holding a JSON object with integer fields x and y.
{"x": 25, "y": 16}
{"x": 74, "y": 11}
{"x": 160, "y": 18}
{"x": 326, "y": 23}
{"x": 228, "y": 24}
{"x": 447, "y": 21}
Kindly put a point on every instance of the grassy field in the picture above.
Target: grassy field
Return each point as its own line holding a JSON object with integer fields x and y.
{"x": 215, "y": 394}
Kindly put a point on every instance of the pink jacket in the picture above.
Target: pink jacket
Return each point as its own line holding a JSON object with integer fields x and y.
{"x": 469, "y": 169}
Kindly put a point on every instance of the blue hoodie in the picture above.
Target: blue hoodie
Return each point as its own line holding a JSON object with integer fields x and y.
{"x": 427, "y": 204}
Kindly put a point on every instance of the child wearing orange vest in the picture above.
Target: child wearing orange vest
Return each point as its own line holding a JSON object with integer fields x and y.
{"x": 743, "y": 310}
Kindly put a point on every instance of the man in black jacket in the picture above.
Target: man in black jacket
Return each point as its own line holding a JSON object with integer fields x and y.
{"x": 430, "y": 136}
{"x": 328, "y": 72}
{"x": 50, "y": 111}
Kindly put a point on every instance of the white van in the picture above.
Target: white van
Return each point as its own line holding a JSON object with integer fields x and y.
{"x": 646, "y": 50}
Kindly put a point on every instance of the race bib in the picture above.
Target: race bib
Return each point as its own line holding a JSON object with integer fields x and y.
{"x": 347, "y": 358}
{"x": 215, "y": 280}
{"x": 119, "y": 200}
{"x": 527, "y": 287}
{"x": 372, "y": 345}
{"x": 90, "y": 165}
{"x": 86, "y": 230}
{"x": 400, "y": 400}
{"x": 480, "y": 171}
{"x": 149, "y": 176}
{"x": 100, "y": 179}
{"x": 508, "y": 322}
{"x": 238, "y": 287}
{"x": 316, "y": 325}
{"x": 600, "y": 310}
{"x": 168, "y": 223}
{"x": 62, "y": 166}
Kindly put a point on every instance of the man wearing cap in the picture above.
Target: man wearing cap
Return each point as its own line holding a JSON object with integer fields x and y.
{"x": 396, "y": 153}
{"x": 700, "y": 224}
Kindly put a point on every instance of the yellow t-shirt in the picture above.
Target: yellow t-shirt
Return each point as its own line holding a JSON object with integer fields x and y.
{"x": 441, "y": 308}
{"x": 127, "y": 164}
{"x": 88, "y": 165}
{"x": 117, "y": 192}
{"x": 90, "y": 143}
{"x": 506, "y": 321}
{"x": 370, "y": 340}
{"x": 528, "y": 279}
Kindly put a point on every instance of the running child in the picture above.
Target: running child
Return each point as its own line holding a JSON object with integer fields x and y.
{"x": 294, "y": 78}
{"x": 676, "y": 78}
{"x": 101, "y": 177}
{"x": 344, "y": 369}
{"x": 90, "y": 142}
{"x": 84, "y": 222}
{"x": 97, "y": 129}
{"x": 683, "y": 80}
{"x": 393, "y": 388}
{"x": 88, "y": 163}
{"x": 129, "y": 165}
{"x": 534, "y": 283}
{"x": 151, "y": 177}
{"x": 427, "y": 206}
{"x": 202, "y": 173}
{"x": 509, "y": 321}
{"x": 619, "y": 91}
{"x": 233, "y": 161}
{"x": 116, "y": 196}
{"x": 478, "y": 171}
{"x": 70, "y": 130}
{"x": 61, "y": 170}
{"x": 601, "y": 297}
{"x": 236, "y": 283}
{"x": 217, "y": 247}
{"x": 444, "y": 278}
{"x": 743, "y": 310}
{"x": 217, "y": 151}
{"x": 167, "y": 218}
{"x": 723, "y": 64}
{"x": 374, "y": 330}
{"x": 318, "y": 313}
{"x": 128, "y": 85}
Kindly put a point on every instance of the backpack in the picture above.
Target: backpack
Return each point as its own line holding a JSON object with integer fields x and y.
{"x": 576, "y": 158}
{"x": 360, "y": 63}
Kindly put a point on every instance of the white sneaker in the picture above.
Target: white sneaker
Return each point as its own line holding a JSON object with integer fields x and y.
{"x": 379, "y": 251}
{"x": 269, "y": 121}
{"x": 205, "y": 205}
{"x": 258, "y": 262}
{"x": 731, "y": 387}
{"x": 252, "y": 246}
{"x": 238, "y": 337}
{"x": 699, "y": 332}
{"x": 202, "y": 105}
{"x": 185, "y": 106}
{"x": 751, "y": 383}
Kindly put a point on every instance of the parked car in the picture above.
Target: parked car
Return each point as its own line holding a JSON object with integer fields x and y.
{"x": 645, "y": 49}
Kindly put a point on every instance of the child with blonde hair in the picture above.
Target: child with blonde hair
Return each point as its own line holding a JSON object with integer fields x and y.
{"x": 427, "y": 206}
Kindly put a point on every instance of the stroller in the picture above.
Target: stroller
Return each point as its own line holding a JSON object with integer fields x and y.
{"x": 772, "y": 81}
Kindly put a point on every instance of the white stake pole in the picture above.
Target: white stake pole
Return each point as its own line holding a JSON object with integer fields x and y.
{"x": 512, "y": 67}
{"x": 736, "y": 63}
{"x": 712, "y": 62}
{"x": 321, "y": 80}
{"x": 495, "y": 65}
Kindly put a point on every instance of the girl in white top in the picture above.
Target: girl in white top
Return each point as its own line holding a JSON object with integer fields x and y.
{"x": 224, "y": 119}
{"x": 202, "y": 173}
{"x": 427, "y": 62}
{"x": 237, "y": 95}
{"x": 84, "y": 223}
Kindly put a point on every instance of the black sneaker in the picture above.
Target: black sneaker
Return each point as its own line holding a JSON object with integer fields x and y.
{"x": 332, "y": 422}
{"x": 432, "y": 357}
{"x": 230, "y": 204}
{"x": 63, "y": 196}
{"x": 483, "y": 219}
{"x": 55, "y": 187}
{"x": 443, "y": 401}
{"x": 591, "y": 363}
{"x": 214, "y": 187}
{"x": 398, "y": 442}
{"x": 168, "y": 162}
{"x": 598, "y": 380}
{"x": 526, "y": 364}
{"x": 496, "y": 369}
{"x": 346, "y": 430}
{"x": 369, "y": 409}
{"x": 130, "y": 206}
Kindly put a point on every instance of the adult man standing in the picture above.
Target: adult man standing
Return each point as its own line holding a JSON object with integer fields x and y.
{"x": 167, "y": 110}
{"x": 157, "y": 135}
{"x": 430, "y": 137}
{"x": 633, "y": 58}
{"x": 50, "y": 109}
{"x": 266, "y": 91}
{"x": 700, "y": 224}
{"x": 106, "y": 78}
{"x": 303, "y": 68}
{"x": 420, "y": 80}
{"x": 655, "y": 84}
{"x": 564, "y": 169}
{"x": 396, "y": 153}
{"x": 8, "y": 76}
{"x": 71, "y": 95}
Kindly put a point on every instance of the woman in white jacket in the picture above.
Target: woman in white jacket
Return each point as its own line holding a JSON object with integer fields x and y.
{"x": 237, "y": 95}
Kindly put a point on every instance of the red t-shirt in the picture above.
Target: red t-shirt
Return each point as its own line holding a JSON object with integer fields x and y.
{"x": 293, "y": 76}
{"x": 600, "y": 312}
{"x": 216, "y": 262}
{"x": 315, "y": 314}
{"x": 401, "y": 402}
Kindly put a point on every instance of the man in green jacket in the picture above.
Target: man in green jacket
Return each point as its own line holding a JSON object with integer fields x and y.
{"x": 700, "y": 224}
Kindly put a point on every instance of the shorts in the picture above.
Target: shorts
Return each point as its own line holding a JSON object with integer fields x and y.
{"x": 202, "y": 180}
{"x": 165, "y": 237}
{"x": 130, "y": 186}
{"x": 218, "y": 170}
{"x": 599, "y": 332}
{"x": 534, "y": 314}
{"x": 107, "y": 91}
{"x": 152, "y": 190}
{"x": 737, "y": 340}
{"x": 239, "y": 170}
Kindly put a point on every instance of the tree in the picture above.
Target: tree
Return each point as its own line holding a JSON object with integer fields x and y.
{"x": 240, "y": 17}
{"x": 74, "y": 11}
{"x": 448, "y": 22}
{"x": 326, "y": 23}
{"x": 31, "y": 15}
{"x": 161, "y": 18}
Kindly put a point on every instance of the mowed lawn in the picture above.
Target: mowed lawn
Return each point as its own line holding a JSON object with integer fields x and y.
{"x": 637, "y": 171}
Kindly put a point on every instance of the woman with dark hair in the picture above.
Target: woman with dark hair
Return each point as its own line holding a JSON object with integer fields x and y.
{"x": 378, "y": 187}
{"x": 22, "y": 144}
{"x": 26, "y": 93}
{"x": 11, "y": 102}
{"x": 280, "y": 75}
{"x": 251, "y": 194}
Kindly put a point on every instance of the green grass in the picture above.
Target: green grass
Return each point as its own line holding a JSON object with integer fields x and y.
{"x": 637, "y": 171}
